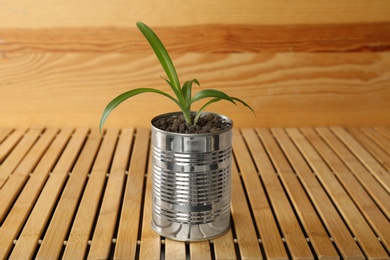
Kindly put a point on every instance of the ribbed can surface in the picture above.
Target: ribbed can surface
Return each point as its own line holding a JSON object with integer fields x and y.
{"x": 191, "y": 184}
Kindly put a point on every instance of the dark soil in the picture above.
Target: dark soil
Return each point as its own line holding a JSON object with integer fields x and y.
{"x": 208, "y": 123}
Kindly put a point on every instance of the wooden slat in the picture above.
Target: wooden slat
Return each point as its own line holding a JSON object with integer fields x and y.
{"x": 109, "y": 211}
{"x": 284, "y": 181}
{"x": 200, "y": 250}
{"x": 279, "y": 86}
{"x": 362, "y": 199}
{"x": 314, "y": 229}
{"x": 262, "y": 211}
{"x": 18, "y": 153}
{"x": 342, "y": 64}
{"x": 385, "y": 131}
{"x": 376, "y": 191}
{"x": 375, "y": 143}
{"x": 224, "y": 247}
{"x": 4, "y": 132}
{"x": 38, "y": 219}
{"x": 318, "y": 196}
{"x": 7, "y": 146}
{"x": 16, "y": 218}
{"x": 58, "y": 14}
{"x": 366, "y": 158}
{"x": 15, "y": 183}
{"x": 246, "y": 236}
{"x": 222, "y": 38}
{"x": 175, "y": 250}
{"x": 378, "y": 138}
{"x": 65, "y": 210}
{"x": 289, "y": 225}
{"x": 150, "y": 241}
{"x": 80, "y": 233}
{"x": 87, "y": 205}
{"x": 351, "y": 215}
{"x": 126, "y": 244}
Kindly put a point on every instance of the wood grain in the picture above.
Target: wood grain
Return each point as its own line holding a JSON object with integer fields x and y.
{"x": 351, "y": 214}
{"x": 367, "y": 180}
{"x": 11, "y": 142}
{"x": 301, "y": 64}
{"x": 25, "y": 247}
{"x": 285, "y": 89}
{"x": 4, "y": 132}
{"x": 67, "y": 204}
{"x": 241, "y": 213}
{"x": 20, "y": 175}
{"x": 175, "y": 250}
{"x": 127, "y": 238}
{"x": 280, "y": 203}
{"x": 200, "y": 250}
{"x": 262, "y": 211}
{"x": 17, "y": 155}
{"x": 231, "y": 38}
{"x": 314, "y": 229}
{"x": 311, "y": 223}
{"x": 23, "y": 205}
{"x": 365, "y": 157}
{"x": 366, "y": 204}
{"x": 375, "y": 143}
{"x": 224, "y": 247}
{"x": 105, "y": 227}
{"x": 150, "y": 241}
{"x": 303, "y": 164}
{"x": 57, "y": 14}
{"x": 83, "y": 221}
{"x": 323, "y": 204}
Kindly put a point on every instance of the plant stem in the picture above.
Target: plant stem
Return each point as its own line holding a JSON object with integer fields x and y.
{"x": 187, "y": 116}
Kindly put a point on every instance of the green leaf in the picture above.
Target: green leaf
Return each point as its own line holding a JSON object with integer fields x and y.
{"x": 119, "y": 99}
{"x": 245, "y": 104}
{"x": 187, "y": 90}
{"x": 211, "y": 93}
{"x": 161, "y": 53}
{"x": 177, "y": 92}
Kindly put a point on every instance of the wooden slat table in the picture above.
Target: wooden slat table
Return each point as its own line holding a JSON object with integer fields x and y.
{"x": 297, "y": 193}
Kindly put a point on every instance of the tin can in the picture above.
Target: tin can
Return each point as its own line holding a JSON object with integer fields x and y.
{"x": 191, "y": 183}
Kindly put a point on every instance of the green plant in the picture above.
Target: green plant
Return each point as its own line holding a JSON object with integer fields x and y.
{"x": 184, "y": 98}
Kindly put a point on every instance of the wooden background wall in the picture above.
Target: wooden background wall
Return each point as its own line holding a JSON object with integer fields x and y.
{"x": 298, "y": 63}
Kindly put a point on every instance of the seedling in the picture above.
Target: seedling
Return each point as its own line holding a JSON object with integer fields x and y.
{"x": 182, "y": 94}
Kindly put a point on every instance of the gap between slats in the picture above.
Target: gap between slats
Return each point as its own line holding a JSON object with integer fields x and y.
{"x": 364, "y": 157}
{"x": 269, "y": 158}
{"x": 320, "y": 199}
{"x": 350, "y": 213}
{"x": 366, "y": 204}
{"x": 61, "y": 168}
{"x": 364, "y": 177}
{"x": 146, "y": 239}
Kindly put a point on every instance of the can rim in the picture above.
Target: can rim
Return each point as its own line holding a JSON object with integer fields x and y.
{"x": 230, "y": 121}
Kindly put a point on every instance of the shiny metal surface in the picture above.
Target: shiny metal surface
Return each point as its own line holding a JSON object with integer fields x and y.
{"x": 191, "y": 184}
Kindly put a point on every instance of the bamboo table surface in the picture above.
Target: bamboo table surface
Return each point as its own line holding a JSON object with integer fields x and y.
{"x": 297, "y": 193}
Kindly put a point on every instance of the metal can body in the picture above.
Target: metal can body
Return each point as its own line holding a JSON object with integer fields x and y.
{"x": 191, "y": 184}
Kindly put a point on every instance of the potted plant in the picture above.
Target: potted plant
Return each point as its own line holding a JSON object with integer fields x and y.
{"x": 191, "y": 157}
